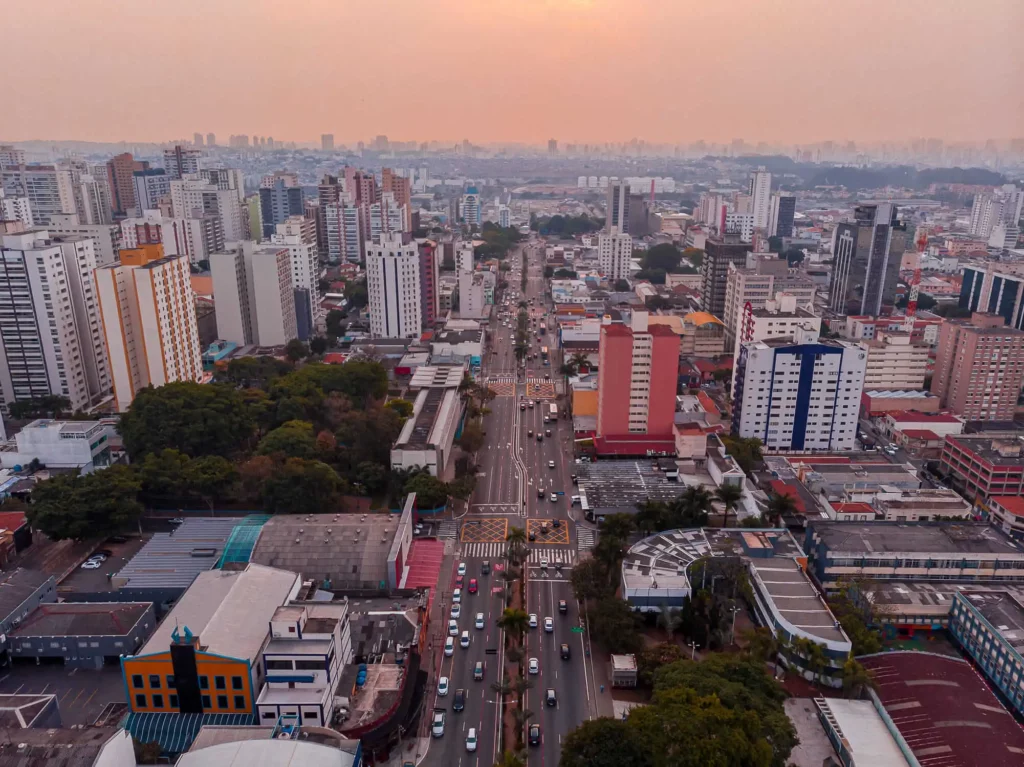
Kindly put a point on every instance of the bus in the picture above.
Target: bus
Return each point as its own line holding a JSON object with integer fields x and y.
{"x": 544, "y": 353}
{"x": 543, "y": 328}
{"x": 553, "y": 412}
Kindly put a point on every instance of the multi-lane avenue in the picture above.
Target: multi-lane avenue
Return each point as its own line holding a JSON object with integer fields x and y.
{"x": 518, "y": 473}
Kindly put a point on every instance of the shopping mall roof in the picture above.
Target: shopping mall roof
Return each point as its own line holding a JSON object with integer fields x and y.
{"x": 922, "y": 538}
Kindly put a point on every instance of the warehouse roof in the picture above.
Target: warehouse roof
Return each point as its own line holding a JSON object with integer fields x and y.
{"x": 16, "y": 586}
{"x": 173, "y": 560}
{"x": 929, "y": 538}
{"x": 617, "y": 486}
{"x": 84, "y": 619}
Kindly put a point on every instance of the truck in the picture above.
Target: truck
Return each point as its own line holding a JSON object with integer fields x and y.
{"x": 543, "y": 328}
{"x": 544, "y": 353}
{"x": 553, "y": 412}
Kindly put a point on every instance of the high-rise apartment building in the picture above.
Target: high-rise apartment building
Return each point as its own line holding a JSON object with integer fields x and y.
{"x": 393, "y": 284}
{"x": 979, "y": 367}
{"x": 197, "y": 139}
{"x": 779, "y": 317}
{"x": 781, "y": 213}
{"x": 50, "y": 189}
{"x": 430, "y": 282}
{"x": 15, "y": 209}
{"x": 1004, "y": 206}
{"x": 760, "y": 197}
{"x": 386, "y": 215}
{"x": 9, "y": 156}
{"x": 399, "y": 186}
{"x": 211, "y": 139}
{"x": 799, "y": 393}
{"x": 151, "y": 185}
{"x": 345, "y": 239}
{"x": 617, "y": 208}
{"x": 91, "y": 191}
{"x": 226, "y": 179}
{"x": 297, "y": 236}
{"x": 180, "y": 161}
{"x": 895, "y": 363}
{"x": 504, "y": 216}
{"x": 637, "y": 375}
{"x": 327, "y": 142}
{"x": 120, "y": 177}
{"x": 995, "y": 288}
{"x": 51, "y": 339}
{"x": 278, "y": 203}
{"x": 615, "y": 254}
{"x": 106, "y": 237}
{"x": 866, "y": 260}
{"x": 719, "y": 253}
{"x": 197, "y": 198}
{"x": 763, "y": 276}
{"x": 254, "y": 295}
{"x": 471, "y": 209}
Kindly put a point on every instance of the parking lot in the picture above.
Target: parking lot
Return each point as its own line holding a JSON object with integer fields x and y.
{"x": 83, "y": 694}
{"x": 98, "y": 580}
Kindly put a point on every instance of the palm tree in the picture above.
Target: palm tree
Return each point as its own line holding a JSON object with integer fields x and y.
{"x": 515, "y": 654}
{"x": 670, "y": 619}
{"x": 729, "y": 496}
{"x": 856, "y": 679}
{"x": 650, "y": 517}
{"x": 521, "y": 685}
{"x": 522, "y": 716}
{"x": 579, "y": 360}
{"x": 502, "y": 688}
{"x": 779, "y": 505}
{"x": 516, "y": 540}
{"x": 514, "y": 621}
{"x": 691, "y": 508}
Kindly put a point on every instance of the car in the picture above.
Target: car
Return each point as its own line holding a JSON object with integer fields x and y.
{"x": 485, "y": 568}
{"x": 177, "y": 521}
{"x": 462, "y": 569}
{"x": 529, "y": 432}
{"x": 453, "y": 628}
{"x": 522, "y": 406}
{"x": 547, "y": 376}
{"x": 530, "y": 404}
{"x": 534, "y": 734}
{"x": 449, "y": 646}
{"x": 549, "y": 697}
{"x": 543, "y": 564}
{"x": 464, "y": 641}
{"x": 549, "y": 626}
{"x": 547, "y": 432}
{"x": 459, "y": 701}
{"x": 554, "y": 498}
{"x": 459, "y": 579}
{"x": 457, "y": 595}
{"x": 117, "y": 539}
{"x": 471, "y": 740}
{"x": 556, "y": 523}
{"x": 575, "y": 500}
{"x": 540, "y": 492}
{"x": 473, "y": 586}
{"x": 575, "y": 479}
{"x": 478, "y": 671}
{"x": 479, "y": 620}
{"x": 437, "y": 724}
{"x": 566, "y": 654}
{"x": 442, "y": 686}
{"x": 533, "y": 536}
{"x": 533, "y": 620}
{"x": 97, "y": 558}
{"x": 92, "y": 564}
{"x": 563, "y": 606}
{"x": 551, "y": 464}
{"x": 101, "y": 553}
{"x": 534, "y": 667}
{"x": 456, "y": 610}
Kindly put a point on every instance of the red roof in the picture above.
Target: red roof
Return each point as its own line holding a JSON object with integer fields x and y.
{"x": 783, "y": 488}
{"x": 945, "y": 711}
{"x": 710, "y": 366}
{"x": 913, "y": 416}
{"x": 11, "y": 520}
{"x": 925, "y": 434}
{"x": 1014, "y": 504}
{"x": 706, "y": 402}
{"x": 854, "y": 508}
{"x": 335, "y": 358}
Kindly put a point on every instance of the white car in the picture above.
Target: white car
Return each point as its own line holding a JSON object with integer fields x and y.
{"x": 533, "y": 620}
{"x": 456, "y": 611}
{"x": 437, "y": 724}
{"x": 479, "y": 620}
{"x": 464, "y": 641}
{"x": 534, "y": 666}
{"x": 462, "y": 568}
{"x": 471, "y": 739}
{"x": 457, "y": 596}
{"x": 551, "y": 464}
{"x": 453, "y": 628}
{"x": 449, "y": 646}
{"x": 549, "y": 625}
{"x": 442, "y": 686}
{"x": 92, "y": 564}
{"x": 543, "y": 564}
{"x": 554, "y": 497}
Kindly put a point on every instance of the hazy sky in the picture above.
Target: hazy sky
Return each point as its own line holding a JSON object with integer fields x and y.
{"x": 514, "y": 70}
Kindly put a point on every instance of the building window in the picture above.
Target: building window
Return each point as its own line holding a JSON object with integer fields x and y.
{"x": 158, "y": 701}
{"x": 172, "y": 701}
{"x": 137, "y": 681}
{"x": 236, "y": 683}
{"x": 170, "y": 682}
{"x": 220, "y": 683}
{"x": 207, "y": 705}
{"x": 204, "y": 683}
{"x": 140, "y": 700}
{"x": 154, "y": 681}
{"x": 240, "y": 702}
{"x": 222, "y": 702}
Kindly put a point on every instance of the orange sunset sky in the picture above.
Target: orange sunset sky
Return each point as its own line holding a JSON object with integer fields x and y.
{"x": 670, "y": 71}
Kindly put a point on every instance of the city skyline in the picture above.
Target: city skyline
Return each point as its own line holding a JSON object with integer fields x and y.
{"x": 529, "y": 72}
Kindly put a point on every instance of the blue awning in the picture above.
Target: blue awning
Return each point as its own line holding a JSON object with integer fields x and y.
{"x": 176, "y": 732}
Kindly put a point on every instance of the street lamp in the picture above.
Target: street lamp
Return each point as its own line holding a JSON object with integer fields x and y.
{"x": 732, "y": 631}
{"x": 693, "y": 649}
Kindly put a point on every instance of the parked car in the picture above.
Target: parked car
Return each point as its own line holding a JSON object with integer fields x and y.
{"x": 456, "y": 610}
{"x": 449, "y": 646}
{"x": 442, "y": 686}
{"x": 437, "y": 724}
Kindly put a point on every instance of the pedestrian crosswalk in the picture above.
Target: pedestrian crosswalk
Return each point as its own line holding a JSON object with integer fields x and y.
{"x": 586, "y": 537}
{"x": 554, "y": 556}
{"x": 495, "y": 551}
{"x": 484, "y": 550}
{"x": 448, "y": 528}
{"x": 501, "y": 379}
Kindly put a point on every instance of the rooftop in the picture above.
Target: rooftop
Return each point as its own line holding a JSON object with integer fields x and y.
{"x": 267, "y": 752}
{"x": 999, "y": 451}
{"x": 173, "y": 560}
{"x": 1004, "y": 611}
{"x": 927, "y": 538}
{"x": 1014, "y": 504}
{"x": 55, "y": 747}
{"x": 869, "y": 739}
{"x": 660, "y": 561}
{"x": 617, "y": 486}
{"x": 944, "y": 710}
{"x": 418, "y": 431}
{"x": 16, "y": 586}
{"x": 436, "y": 376}
{"x": 84, "y": 619}
{"x": 913, "y": 416}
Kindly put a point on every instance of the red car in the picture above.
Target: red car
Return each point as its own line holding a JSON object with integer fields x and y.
{"x": 472, "y": 585}
{"x": 458, "y": 581}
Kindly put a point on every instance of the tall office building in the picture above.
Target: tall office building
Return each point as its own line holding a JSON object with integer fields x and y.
{"x": 760, "y": 197}
{"x": 781, "y": 212}
{"x": 305, "y": 270}
{"x": 430, "y": 280}
{"x": 211, "y": 139}
{"x": 866, "y": 260}
{"x": 799, "y": 393}
{"x": 636, "y": 395}
{"x": 51, "y": 340}
{"x": 615, "y": 254}
{"x": 617, "y": 208}
{"x": 180, "y": 161}
{"x": 120, "y": 176}
{"x": 329, "y": 192}
{"x": 399, "y": 186}
{"x": 278, "y": 203}
{"x": 151, "y": 185}
{"x": 327, "y": 142}
{"x": 996, "y": 288}
{"x": 979, "y": 367}
{"x": 719, "y": 253}
{"x": 254, "y": 295}
{"x": 471, "y": 209}
{"x": 149, "y": 322}
{"x": 393, "y": 284}
{"x": 50, "y": 189}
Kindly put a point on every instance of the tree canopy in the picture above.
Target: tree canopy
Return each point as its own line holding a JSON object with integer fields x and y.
{"x": 565, "y": 225}
{"x": 82, "y": 506}
{"x": 665, "y": 256}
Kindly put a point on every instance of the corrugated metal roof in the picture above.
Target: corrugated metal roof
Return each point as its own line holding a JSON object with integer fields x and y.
{"x": 173, "y": 560}
{"x": 175, "y": 732}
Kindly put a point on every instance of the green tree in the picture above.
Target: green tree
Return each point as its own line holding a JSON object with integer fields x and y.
{"x": 605, "y": 742}
{"x": 196, "y": 419}
{"x": 695, "y": 256}
{"x": 516, "y": 540}
{"x": 650, "y": 659}
{"x": 336, "y": 324}
{"x": 650, "y": 517}
{"x": 47, "y": 406}
{"x": 256, "y": 372}
{"x": 86, "y": 506}
{"x": 589, "y": 578}
{"x": 510, "y": 759}
{"x": 514, "y": 622}
{"x": 665, "y": 256}
{"x": 302, "y": 486}
{"x": 212, "y": 478}
{"x": 318, "y": 345}
{"x": 856, "y": 679}
{"x": 431, "y": 493}
{"x": 295, "y": 350}
{"x": 621, "y": 286}
{"x": 356, "y": 293}
{"x": 780, "y": 505}
{"x": 294, "y": 439}
{"x": 164, "y": 475}
{"x": 564, "y": 274}
{"x": 472, "y": 437}
{"x": 746, "y": 451}
{"x": 616, "y": 625}
{"x": 403, "y": 407}
{"x": 656, "y": 303}
{"x": 371, "y": 476}
{"x": 794, "y": 256}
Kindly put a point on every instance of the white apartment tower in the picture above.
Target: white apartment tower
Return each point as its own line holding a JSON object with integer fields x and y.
{"x": 471, "y": 209}
{"x": 393, "y": 284}
{"x": 614, "y": 254}
{"x": 252, "y": 289}
{"x": 51, "y": 340}
{"x": 760, "y": 195}
{"x": 345, "y": 236}
{"x": 149, "y": 321}
{"x": 799, "y": 393}
{"x": 195, "y": 198}
{"x": 50, "y": 190}
{"x": 895, "y": 363}
{"x": 305, "y": 265}
{"x": 15, "y": 209}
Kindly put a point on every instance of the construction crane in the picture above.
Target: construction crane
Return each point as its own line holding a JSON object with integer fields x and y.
{"x": 915, "y": 282}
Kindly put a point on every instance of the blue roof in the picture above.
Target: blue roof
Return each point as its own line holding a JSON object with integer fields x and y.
{"x": 176, "y": 732}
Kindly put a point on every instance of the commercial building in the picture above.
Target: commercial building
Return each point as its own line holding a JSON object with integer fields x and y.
{"x": 637, "y": 381}
{"x": 1007, "y": 513}
{"x": 781, "y": 212}
{"x": 902, "y": 421}
{"x": 995, "y": 288}
{"x": 866, "y": 260}
{"x": 615, "y": 254}
{"x": 149, "y": 322}
{"x": 700, "y": 334}
{"x": 924, "y": 505}
{"x": 895, "y": 362}
{"x": 82, "y": 445}
{"x": 762, "y": 278}
{"x": 845, "y": 479}
{"x": 470, "y": 208}
{"x": 393, "y": 285}
{"x": 51, "y": 340}
{"x": 471, "y": 296}
{"x": 386, "y": 215}
{"x": 877, "y": 403}
{"x": 979, "y": 368}
{"x": 982, "y": 466}
{"x": 799, "y": 394}
{"x": 778, "y": 317}
{"x": 279, "y": 202}
{"x": 427, "y": 436}
{"x": 50, "y": 189}
{"x": 968, "y": 551}
{"x": 617, "y": 208}
{"x": 398, "y": 186}
{"x": 180, "y": 161}
{"x": 719, "y": 253}
{"x": 252, "y": 288}
{"x": 21, "y": 592}
{"x": 120, "y": 178}
{"x": 151, "y": 186}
